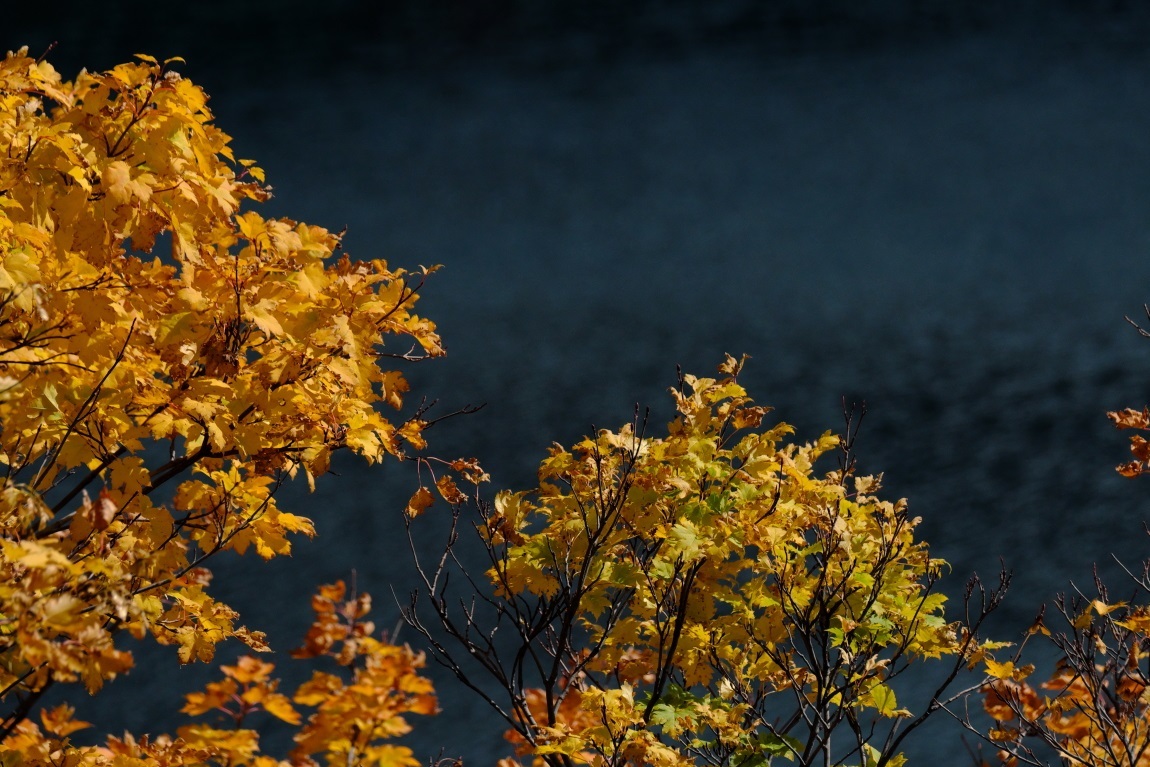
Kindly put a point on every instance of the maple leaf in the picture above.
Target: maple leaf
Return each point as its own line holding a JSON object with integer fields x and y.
{"x": 120, "y": 186}
{"x": 59, "y": 720}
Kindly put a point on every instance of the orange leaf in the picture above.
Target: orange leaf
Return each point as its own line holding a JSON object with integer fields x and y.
{"x": 59, "y": 721}
{"x": 450, "y": 491}
{"x": 419, "y": 502}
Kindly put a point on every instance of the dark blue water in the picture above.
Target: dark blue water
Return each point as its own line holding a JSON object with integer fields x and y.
{"x": 952, "y": 231}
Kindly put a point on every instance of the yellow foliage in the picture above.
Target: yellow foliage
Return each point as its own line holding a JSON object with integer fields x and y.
{"x": 718, "y": 576}
{"x": 155, "y": 330}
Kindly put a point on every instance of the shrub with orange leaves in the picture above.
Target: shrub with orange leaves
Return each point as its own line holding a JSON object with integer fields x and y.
{"x": 1095, "y": 708}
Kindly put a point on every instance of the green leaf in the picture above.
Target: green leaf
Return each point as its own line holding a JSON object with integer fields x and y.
{"x": 776, "y": 745}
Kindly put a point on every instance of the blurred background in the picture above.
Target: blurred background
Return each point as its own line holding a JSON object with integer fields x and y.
{"x": 938, "y": 207}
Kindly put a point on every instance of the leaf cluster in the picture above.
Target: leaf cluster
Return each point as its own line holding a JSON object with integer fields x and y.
{"x": 356, "y": 709}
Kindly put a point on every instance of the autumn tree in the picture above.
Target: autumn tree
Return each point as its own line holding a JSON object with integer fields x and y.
{"x": 707, "y": 596}
{"x": 168, "y": 359}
